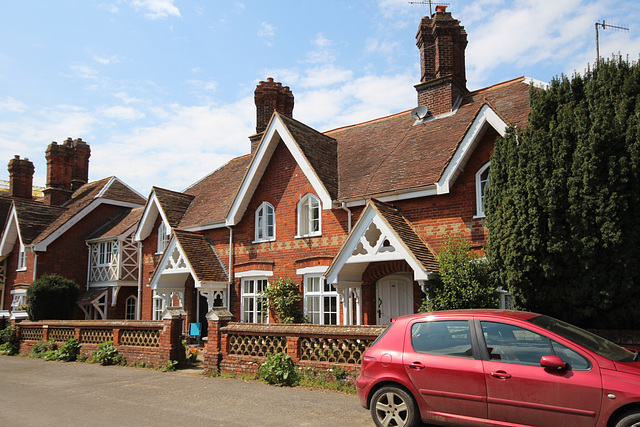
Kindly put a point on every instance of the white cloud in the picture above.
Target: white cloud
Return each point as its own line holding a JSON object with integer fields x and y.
{"x": 325, "y": 75}
{"x": 84, "y": 71}
{"x": 156, "y": 9}
{"x": 122, "y": 113}
{"x": 322, "y": 54}
{"x": 9, "y": 104}
{"x": 266, "y": 30}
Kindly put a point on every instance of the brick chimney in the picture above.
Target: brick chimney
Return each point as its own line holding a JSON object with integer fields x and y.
{"x": 269, "y": 97}
{"x": 67, "y": 170}
{"x": 442, "y": 42}
{"x": 21, "y": 177}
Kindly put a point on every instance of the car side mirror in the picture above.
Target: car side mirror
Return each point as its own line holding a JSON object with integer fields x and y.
{"x": 553, "y": 362}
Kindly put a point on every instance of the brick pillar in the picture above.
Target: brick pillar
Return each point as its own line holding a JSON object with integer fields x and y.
{"x": 116, "y": 336}
{"x": 45, "y": 333}
{"x": 171, "y": 337}
{"x": 215, "y": 349}
{"x": 293, "y": 348}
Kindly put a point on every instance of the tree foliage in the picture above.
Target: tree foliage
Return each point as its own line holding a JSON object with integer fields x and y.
{"x": 464, "y": 281}
{"x": 52, "y": 297}
{"x": 562, "y": 206}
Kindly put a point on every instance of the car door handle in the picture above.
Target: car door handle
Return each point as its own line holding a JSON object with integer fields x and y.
{"x": 501, "y": 375}
{"x": 417, "y": 366}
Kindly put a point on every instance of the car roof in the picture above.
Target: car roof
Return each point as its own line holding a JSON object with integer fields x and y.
{"x": 468, "y": 313}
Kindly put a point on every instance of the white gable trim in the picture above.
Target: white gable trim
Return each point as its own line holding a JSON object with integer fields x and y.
{"x": 42, "y": 246}
{"x": 254, "y": 273}
{"x": 276, "y": 132}
{"x": 485, "y": 118}
{"x": 148, "y": 220}
{"x": 373, "y": 253}
{"x": 164, "y": 269}
{"x": 10, "y": 234}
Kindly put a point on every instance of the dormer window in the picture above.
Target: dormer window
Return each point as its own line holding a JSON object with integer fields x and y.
{"x": 265, "y": 223}
{"x": 482, "y": 183}
{"x": 309, "y": 216}
{"x": 163, "y": 237}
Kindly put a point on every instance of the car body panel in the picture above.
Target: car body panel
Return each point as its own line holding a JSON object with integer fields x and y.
{"x": 484, "y": 390}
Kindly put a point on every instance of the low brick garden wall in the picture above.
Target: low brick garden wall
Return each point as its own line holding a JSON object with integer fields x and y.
{"x": 152, "y": 342}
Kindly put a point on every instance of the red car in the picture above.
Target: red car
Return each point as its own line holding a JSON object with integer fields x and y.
{"x": 498, "y": 368}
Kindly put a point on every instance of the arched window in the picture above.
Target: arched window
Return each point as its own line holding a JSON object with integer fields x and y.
{"x": 309, "y": 223}
{"x": 163, "y": 237}
{"x": 482, "y": 183}
{"x": 131, "y": 306}
{"x": 265, "y": 223}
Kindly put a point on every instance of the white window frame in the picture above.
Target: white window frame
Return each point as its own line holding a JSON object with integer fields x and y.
{"x": 127, "y": 307}
{"x": 19, "y": 299}
{"x": 159, "y": 305}
{"x": 105, "y": 254}
{"x": 252, "y": 300}
{"x": 318, "y": 290}
{"x": 163, "y": 237}
{"x": 22, "y": 258}
{"x": 305, "y": 216}
{"x": 262, "y": 223}
{"x": 481, "y": 189}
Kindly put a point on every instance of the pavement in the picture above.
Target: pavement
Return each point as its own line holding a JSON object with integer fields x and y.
{"x": 34, "y": 392}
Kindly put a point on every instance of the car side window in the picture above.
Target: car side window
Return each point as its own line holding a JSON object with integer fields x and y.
{"x": 512, "y": 344}
{"x": 444, "y": 338}
{"x": 575, "y": 360}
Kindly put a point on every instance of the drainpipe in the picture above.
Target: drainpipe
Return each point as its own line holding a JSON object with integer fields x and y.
{"x": 35, "y": 265}
{"x": 230, "y": 270}
{"x": 345, "y": 208}
{"x": 3, "y": 284}
{"x": 139, "y": 307}
{"x": 88, "y": 264}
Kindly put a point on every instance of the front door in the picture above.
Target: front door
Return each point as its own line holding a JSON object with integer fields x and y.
{"x": 394, "y": 297}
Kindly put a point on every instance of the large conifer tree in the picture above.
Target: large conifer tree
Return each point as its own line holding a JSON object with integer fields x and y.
{"x": 564, "y": 201}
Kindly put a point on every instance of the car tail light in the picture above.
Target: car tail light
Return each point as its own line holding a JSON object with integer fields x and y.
{"x": 366, "y": 361}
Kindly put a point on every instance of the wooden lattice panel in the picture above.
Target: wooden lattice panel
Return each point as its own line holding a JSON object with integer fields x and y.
{"x": 256, "y": 345}
{"x": 333, "y": 350}
{"x": 140, "y": 337}
{"x": 96, "y": 336}
{"x": 33, "y": 334}
{"x": 61, "y": 334}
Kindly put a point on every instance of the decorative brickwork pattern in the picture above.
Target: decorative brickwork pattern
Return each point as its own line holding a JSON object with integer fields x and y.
{"x": 140, "y": 337}
{"x": 31, "y": 334}
{"x": 333, "y": 350}
{"x": 96, "y": 336}
{"x": 252, "y": 345}
{"x": 61, "y": 334}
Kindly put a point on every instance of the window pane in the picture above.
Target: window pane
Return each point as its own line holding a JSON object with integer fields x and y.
{"x": 512, "y": 344}
{"x": 444, "y": 338}
{"x": 576, "y": 361}
{"x": 304, "y": 218}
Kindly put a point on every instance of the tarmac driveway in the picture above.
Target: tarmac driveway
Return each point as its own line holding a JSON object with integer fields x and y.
{"x": 34, "y": 392}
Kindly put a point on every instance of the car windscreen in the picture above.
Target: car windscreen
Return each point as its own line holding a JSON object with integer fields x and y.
{"x": 584, "y": 338}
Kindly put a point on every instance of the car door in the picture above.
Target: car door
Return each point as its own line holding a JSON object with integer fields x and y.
{"x": 522, "y": 392}
{"x": 439, "y": 361}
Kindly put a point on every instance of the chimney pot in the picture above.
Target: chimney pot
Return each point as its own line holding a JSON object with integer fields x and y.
{"x": 20, "y": 177}
{"x": 441, "y": 8}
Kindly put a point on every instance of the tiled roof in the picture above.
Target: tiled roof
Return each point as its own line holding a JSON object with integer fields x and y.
{"x": 86, "y": 195}
{"x": 214, "y": 194}
{"x": 391, "y": 154}
{"x": 119, "y": 224}
{"x": 34, "y": 218}
{"x": 320, "y": 150}
{"x": 5, "y": 208}
{"x": 174, "y": 204}
{"x": 202, "y": 257}
{"x": 405, "y": 231}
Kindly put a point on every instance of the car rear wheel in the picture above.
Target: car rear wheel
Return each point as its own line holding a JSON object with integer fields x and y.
{"x": 630, "y": 419}
{"x": 392, "y": 406}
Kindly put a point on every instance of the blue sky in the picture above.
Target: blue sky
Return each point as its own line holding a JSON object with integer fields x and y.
{"x": 162, "y": 90}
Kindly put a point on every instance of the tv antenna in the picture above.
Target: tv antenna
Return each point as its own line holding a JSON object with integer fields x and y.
{"x": 604, "y": 26}
{"x": 430, "y": 3}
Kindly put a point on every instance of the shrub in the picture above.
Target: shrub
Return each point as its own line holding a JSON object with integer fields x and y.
{"x": 279, "y": 370}
{"x": 52, "y": 297}
{"x": 107, "y": 354}
{"x": 40, "y": 348}
{"x": 171, "y": 365}
{"x": 69, "y": 351}
{"x": 283, "y": 299}
{"x": 9, "y": 341}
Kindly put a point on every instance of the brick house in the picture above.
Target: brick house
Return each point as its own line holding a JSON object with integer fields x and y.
{"x": 45, "y": 235}
{"x": 355, "y": 216}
